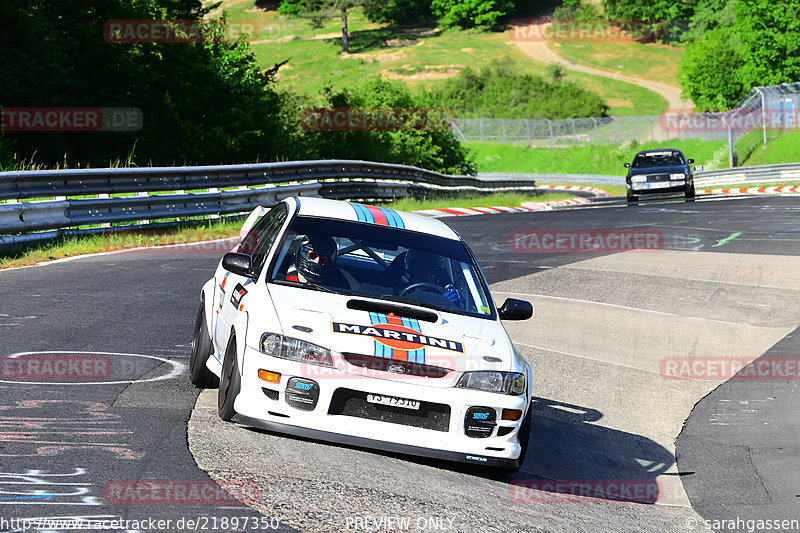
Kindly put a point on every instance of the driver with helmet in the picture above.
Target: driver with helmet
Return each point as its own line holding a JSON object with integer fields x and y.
{"x": 426, "y": 270}
{"x": 315, "y": 259}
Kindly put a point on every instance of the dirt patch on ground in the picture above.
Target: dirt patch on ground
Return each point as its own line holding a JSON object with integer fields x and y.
{"x": 422, "y": 32}
{"x": 325, "y": 36}
{"x": 468, "y": 50}
{"x": 427, "y": 74}
{"x": 619, "y": 103}
{"x": 399, "y": 43}
{"x": 379, "y": 58}
{"x": 284, "y": 39}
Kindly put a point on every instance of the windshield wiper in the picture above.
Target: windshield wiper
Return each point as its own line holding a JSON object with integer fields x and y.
{"x": 306, "y": 285}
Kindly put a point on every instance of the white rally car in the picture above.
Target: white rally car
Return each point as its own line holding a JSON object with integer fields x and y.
{"x": 364, "y": 326}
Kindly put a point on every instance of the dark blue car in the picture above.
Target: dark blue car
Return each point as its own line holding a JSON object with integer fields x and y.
{"x": 659, "y": 172}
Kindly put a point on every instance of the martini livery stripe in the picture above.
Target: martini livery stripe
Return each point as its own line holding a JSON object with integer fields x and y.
{"x": 397, "y": 336}
{"x": 377, "y": 215}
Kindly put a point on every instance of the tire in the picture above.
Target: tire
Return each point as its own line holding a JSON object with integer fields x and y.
{"x": 524, "y": 437}
{"x": 690, "y": 193}
{"x": 632, "y": 199}
{"x": 229, "y": 383}
{"x": 202, "y": 348}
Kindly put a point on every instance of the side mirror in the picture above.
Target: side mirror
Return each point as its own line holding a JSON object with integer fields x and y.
{"x": 627, "y": 165}
{"x": 514, "y": 309}
{"x": 241, "y": 264}
{"x": 690, "y": 161}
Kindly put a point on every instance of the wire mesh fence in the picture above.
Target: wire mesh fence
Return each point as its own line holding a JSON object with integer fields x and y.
{"x": 773, "y": 108}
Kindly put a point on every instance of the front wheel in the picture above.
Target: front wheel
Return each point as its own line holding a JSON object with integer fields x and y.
{"x": 229, "y": 382}
{"x": 632, "y": 199}
{"x": 202, "y": 348}
{"x": 690, "y": 193}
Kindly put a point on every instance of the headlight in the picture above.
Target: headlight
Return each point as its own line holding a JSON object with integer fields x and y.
{"x": 638, "y": 179}
{"x": 501, "y": 382}
{"x": 294, "y": 349}
{"x": 677, "y": 176}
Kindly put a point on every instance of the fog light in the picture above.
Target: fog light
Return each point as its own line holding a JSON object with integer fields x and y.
{"x": 479, "y": 422}
{"x": 511, "y": 414}
{"x": 270, "y": 377}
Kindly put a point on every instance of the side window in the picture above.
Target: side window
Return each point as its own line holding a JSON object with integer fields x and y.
{"x": 259, "y": 240}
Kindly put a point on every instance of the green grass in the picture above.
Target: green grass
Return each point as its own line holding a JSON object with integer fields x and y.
{"x": 494, "y": 157}
{"x": 781, "y": 148}
{"x": 502, "y": 199}
{"x": 71, "y": 246}
{"x": 654, "y": 62}
{"x": 424, "y": 61}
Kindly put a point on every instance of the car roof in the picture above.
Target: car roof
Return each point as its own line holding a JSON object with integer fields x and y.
{"x": 368, "y": 214}
{"x": 660, "y": 151}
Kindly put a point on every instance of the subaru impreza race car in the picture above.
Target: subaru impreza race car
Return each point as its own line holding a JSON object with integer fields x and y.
{"x": 364, "y": 326}
{"x": 659, "y": 172}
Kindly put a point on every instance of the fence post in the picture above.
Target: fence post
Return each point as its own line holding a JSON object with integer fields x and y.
{"x": 527, "y": 130}
{"x": 730, "y": 145}
{"x": 552, "y": 141}
{"x": 503, "y": 123}
{"x": 480, "y": 126}
{"x": 652, "y": 129}
{"x": 595, "y": 130}
{"x": 574, "y": 135}
{"x": 616, "y": 130}
{"x": 763, "y": 115}
{"x": 634, "y": 128}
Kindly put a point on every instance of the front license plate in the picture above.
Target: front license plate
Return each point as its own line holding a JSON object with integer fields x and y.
{"x": 658, "y": 184}
{"x": 393, "y": 401}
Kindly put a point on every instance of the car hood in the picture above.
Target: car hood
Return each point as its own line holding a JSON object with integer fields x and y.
{"x": 455, "y": 342}
{"x": 679, "y": 169}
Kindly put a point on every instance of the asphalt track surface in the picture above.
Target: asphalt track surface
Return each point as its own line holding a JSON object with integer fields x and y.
{"x": 725, "y": 285}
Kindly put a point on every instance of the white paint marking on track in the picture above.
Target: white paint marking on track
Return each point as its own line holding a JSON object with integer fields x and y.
{"x": 177, "y": 369}
{"x": 626, "y": 307}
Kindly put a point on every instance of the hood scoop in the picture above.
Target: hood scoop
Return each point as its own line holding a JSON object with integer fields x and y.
{"x": 393, "y": 309}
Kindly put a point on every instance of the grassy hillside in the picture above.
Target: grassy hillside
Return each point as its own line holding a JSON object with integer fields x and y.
{"x": 421, "y": 57}
{"x": 783, "y": 148}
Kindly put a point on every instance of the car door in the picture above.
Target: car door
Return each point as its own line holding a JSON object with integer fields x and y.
{"x": 233, "y": 288}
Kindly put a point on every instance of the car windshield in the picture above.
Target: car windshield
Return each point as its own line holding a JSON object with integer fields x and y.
{"x": 658, "y": 159}
{"x": 361, "y": 259}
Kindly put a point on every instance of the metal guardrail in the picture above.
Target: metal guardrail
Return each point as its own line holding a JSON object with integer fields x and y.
{"x": 260, "y": 184}
{"x": 786, "y": 173}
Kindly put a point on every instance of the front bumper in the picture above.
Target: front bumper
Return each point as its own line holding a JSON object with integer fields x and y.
{"x": 424, "y": 432}
{"x": 657, "y": 187}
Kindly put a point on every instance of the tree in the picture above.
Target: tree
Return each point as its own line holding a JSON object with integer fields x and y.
{"x": 398, "y": 11}
{"x": 471, "y": 13}
{"x": 710, "y": 71}
{"x": 768, "y": 31}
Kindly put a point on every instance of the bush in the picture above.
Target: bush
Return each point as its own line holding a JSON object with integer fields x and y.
{"x": 436, "y": 150}
{"x": 499, "y": 91}
{"x": 292, "y": 8}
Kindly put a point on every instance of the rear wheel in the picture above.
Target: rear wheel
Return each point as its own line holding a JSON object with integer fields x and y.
{"x": 229, "y": 382}
{"x": 202, "y": 348}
